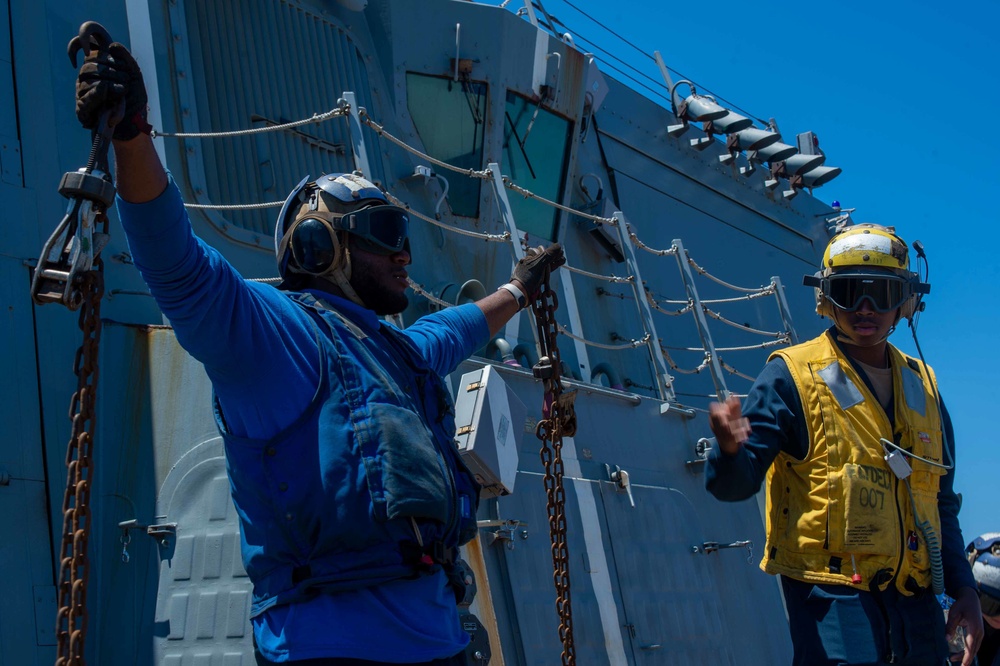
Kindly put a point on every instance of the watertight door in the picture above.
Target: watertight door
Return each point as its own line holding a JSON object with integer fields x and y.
{"x": 669, "y": 598}
{"x": 204, "y": 596}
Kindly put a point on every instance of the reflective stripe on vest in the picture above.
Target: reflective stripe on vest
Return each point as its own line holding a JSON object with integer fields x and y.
{"x": 843, "y": 500}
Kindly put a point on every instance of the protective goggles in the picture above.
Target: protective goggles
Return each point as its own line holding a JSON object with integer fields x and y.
{"x": 383, "y": 229}
{"x": 885, "y": 292}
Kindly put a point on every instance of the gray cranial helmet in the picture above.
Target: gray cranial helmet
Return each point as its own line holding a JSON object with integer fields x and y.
{"x": 984, "y": 555}
{"x": 299, "y": 227}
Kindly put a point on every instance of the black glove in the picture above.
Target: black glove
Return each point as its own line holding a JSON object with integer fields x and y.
{"x": 537, "y": 263}
{"x": 108, "y": 76}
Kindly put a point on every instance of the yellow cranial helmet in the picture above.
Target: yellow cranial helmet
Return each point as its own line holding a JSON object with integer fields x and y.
{"x": 867, "y": 246}
{"x": 853, "y": 262}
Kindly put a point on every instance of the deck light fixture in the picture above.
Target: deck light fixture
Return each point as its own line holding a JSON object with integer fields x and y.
{"x": 693, "y": 108}
{"x": 753, "y": 138}
{"x": 749, "y": 139}
{"x": 792, "y": 168}
{"x": 821, "y": 175}
{"x": 772, "y": 153}
{"x": 728, "y": 124}
{"x": 704, "y": 109}
{"x": 798, "y": 164}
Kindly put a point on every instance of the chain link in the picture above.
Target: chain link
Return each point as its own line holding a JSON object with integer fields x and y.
{"x": 558, "y": 420}
{"x": 71, "y": 619}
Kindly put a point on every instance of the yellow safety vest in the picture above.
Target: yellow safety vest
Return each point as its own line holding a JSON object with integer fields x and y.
{"x": 842, "y": 500}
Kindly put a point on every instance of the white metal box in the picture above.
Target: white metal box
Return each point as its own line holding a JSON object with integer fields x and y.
{"x": 489, "y": 419}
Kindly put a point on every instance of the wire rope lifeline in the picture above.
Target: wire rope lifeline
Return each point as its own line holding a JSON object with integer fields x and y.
{"x": 340, "y": 110}
{"x": 748, "y": 329}
{"x": 528, "y": 194}
{"x": 701, "y": 271}
{"x": 494, "y": 238}
{"x": 642, "y": 246}
{"x": 631, "y": 344}
{"x": 420, "y": 289}
{"x": 256, "y": 206}
{"x": 380, "y": 130}
{"x": 607, "y": 278}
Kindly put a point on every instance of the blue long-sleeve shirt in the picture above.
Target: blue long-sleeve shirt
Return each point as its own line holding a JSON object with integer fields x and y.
{"x": 260, "y": 352}
{"x": 777, "y": 421}
{"x": 254, "y": 342}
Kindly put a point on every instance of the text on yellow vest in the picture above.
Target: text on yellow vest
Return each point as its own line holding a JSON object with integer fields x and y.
{"x": 843, "y": 500}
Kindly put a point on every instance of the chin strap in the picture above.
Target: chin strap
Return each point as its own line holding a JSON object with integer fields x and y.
{"x": 341, "y": 275}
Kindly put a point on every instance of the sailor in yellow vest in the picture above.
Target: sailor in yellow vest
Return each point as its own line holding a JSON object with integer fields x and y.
{"x": 857, "y": 450}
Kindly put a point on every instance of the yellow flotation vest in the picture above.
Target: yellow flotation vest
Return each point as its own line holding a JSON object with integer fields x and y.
{"x": 841, "y": 511}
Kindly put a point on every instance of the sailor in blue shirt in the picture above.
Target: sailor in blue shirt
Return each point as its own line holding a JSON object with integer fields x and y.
{"x": 338, "y": 428}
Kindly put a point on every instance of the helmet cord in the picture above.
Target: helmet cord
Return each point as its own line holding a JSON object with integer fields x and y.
{"x": 937, "y": 398}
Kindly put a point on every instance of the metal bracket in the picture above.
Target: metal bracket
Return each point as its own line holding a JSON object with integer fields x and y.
{"x": 677, "y": 408}
{"x": 709, "y": 547}
{"x": 505, "y": 531}
{"x": 161, "y": 534}
{"x": 621, "y": 479}
{"x": 701, "y": 449}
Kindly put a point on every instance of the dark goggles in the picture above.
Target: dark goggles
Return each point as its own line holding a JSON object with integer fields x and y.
{"x": 885, "y": 293}
{"x": 383, "y": 227}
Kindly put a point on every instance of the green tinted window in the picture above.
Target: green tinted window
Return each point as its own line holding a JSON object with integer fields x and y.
{"x": 450, "y": 119}
{"x": 534, "y": 156}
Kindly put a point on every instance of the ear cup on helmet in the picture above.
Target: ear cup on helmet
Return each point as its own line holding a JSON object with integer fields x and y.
{"x": 333, "y": 193}
{"x": 824, "y": 308}
{"x": 908, "y": 308}
{"x": 313, "y": 248}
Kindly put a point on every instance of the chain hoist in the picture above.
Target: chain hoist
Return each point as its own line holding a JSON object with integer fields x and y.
{"x": 558, "y": 420}
{"x": 70, "y": 271}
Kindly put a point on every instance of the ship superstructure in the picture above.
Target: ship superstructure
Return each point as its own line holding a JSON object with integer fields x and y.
{"x": 682, "y": 224}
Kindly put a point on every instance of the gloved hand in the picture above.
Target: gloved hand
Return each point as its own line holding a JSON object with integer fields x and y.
{"x": 537, "y": 261}
{"x": 108, "y": 76}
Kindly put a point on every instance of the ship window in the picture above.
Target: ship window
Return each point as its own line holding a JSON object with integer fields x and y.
{"x": 450, "y": 118}
{"x": 534, "y": 154}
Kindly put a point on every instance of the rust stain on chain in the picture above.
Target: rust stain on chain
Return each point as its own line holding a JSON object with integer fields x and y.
{"x": 74, "y": 570}
{"x": 558, "y": 420}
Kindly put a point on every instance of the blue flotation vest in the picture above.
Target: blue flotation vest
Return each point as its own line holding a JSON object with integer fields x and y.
{"x": 366, "y": 486}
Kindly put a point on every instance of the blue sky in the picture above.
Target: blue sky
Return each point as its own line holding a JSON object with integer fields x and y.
{"x": 903, "y": 98}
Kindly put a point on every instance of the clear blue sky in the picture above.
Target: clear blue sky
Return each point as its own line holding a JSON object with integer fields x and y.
{"x": 904, "y": 98}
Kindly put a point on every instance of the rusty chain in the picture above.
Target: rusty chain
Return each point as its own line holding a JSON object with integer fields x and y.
{"x": 558, "y": 420}
{"x": 71, "y": 618}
